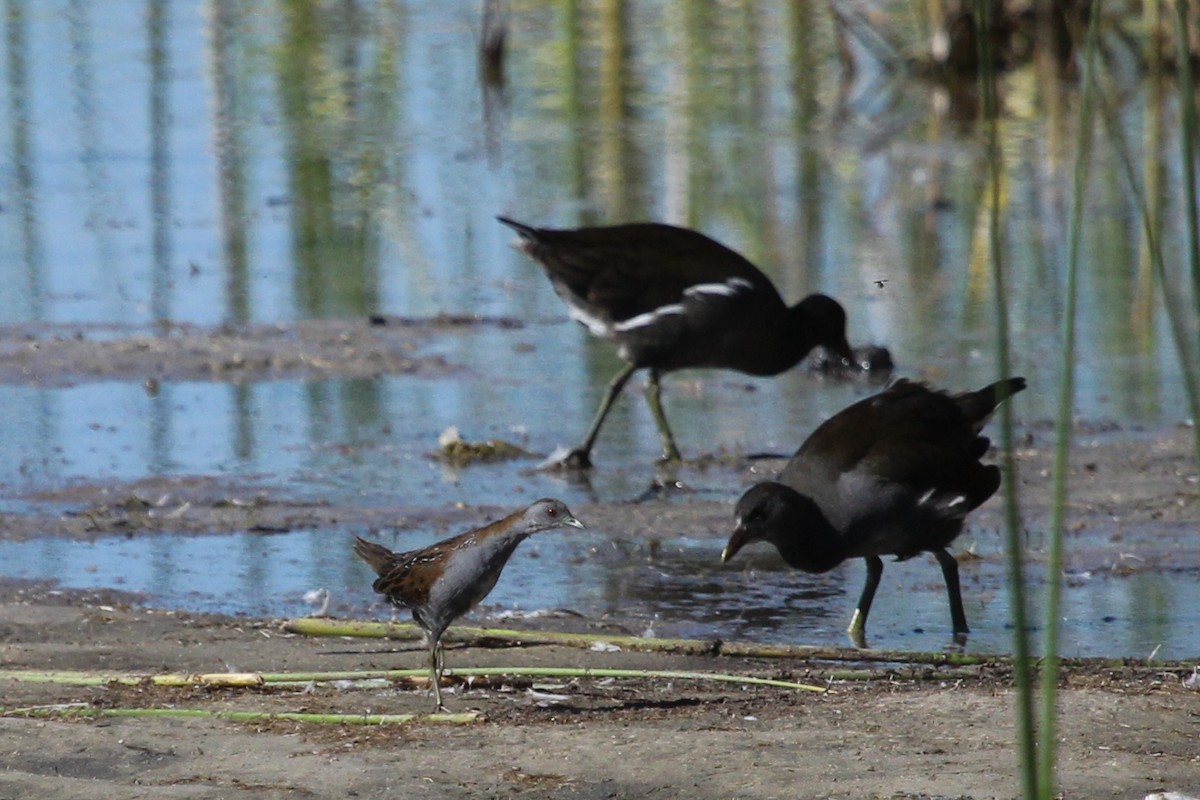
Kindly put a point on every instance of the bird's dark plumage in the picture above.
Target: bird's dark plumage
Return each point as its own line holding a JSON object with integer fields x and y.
{"x": 671, "y": 298}
{"x": 894, "y": 474}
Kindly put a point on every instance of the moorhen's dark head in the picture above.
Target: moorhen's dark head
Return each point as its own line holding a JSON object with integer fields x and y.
{"x": 825, "y": 324}
{"x": 771, "y": 512}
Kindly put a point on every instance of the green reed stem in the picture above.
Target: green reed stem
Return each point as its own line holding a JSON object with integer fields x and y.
{"x": 1062, "y": 427}
{"x": 1176, "y": 314}
{"x": 1022, "y": 670}
{"x": 1188, "y": 142}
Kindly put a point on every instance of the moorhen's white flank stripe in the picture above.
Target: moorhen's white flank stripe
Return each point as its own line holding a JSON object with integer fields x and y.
{"x": 671, "y": 298}
{"x": 727, "y": 289}
{"x": 595, "y": 325}
{"x": 649, "y": 318}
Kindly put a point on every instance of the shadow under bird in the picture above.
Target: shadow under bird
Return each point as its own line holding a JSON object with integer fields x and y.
{"x": 672, "y": 298}
{"x": 894, "y": 474}
{"x": 443, "y": 581}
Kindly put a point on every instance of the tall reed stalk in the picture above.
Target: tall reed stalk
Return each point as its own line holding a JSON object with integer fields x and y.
{"x": 1014, "y": 557}
{"x": 1189, "y": 140}
{"x": 1187, "y": 112}
{"x": 1181, "y": 324}
{"x": 1062, "y": 427}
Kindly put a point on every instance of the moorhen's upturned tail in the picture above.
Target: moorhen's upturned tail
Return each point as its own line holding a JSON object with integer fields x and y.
{"x": 894, "y": 474}
{"x": 672, "y": 298}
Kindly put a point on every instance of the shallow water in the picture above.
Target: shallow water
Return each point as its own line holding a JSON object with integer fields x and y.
{"x": 181, "y": 162}
{"x": 676, "y": 589}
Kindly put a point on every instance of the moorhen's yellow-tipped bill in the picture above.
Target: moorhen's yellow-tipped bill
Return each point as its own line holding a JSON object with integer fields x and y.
{"x": 735, "y": 543}
{"x": 894, "y": 474}
{"x": 672, "y": 298}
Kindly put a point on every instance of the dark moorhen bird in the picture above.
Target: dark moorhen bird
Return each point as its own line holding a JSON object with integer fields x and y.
{"x": 673, "y": 298}
{"x": 443, "y": 581}
{"x": 894, "y": 474}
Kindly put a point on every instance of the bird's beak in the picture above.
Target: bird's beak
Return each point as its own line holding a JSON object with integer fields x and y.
{"x": 574, "y": 523}
{"x": 735, "y": 543}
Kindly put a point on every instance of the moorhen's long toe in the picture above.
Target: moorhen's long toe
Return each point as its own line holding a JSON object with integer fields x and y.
{"x": 894, "y": 474}
{"x": 672, "y": 298}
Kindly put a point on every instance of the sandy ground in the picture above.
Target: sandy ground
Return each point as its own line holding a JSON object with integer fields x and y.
{"x": 1125, "y": 730}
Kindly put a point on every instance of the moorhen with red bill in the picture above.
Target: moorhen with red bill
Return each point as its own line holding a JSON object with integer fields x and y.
{"x": 672, "y": 298}
{"x": 894, "y": 474}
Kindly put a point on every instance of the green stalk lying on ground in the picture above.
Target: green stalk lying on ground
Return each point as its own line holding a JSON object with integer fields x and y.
{"x": 76, "y": 710}
{"x": 270, "y": 678}
{"x": 313, "y": 626}
{"x": 484, "y": 637}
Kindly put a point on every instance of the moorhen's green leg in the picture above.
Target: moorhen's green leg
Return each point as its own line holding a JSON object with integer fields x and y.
{"x": 654, "y": 397}
{"x": 858, "y": 622}
{"x": 957, "y": 616}
{"x": 581, "y": 457}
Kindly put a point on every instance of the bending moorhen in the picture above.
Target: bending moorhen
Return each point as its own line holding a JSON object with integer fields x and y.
{"x": 673, "y": 298}
{"x": 894, "y": 474}
{"x": 443, "y": 581}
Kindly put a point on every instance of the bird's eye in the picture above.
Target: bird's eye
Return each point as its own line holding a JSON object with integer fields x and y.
{"x": 551, "y": 512}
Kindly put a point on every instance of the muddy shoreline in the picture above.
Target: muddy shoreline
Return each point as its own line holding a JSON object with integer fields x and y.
{"x": 1125, "y": 731}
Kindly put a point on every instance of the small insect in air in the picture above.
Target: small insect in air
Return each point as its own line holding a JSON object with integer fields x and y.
{"x": 880, "y": 282}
